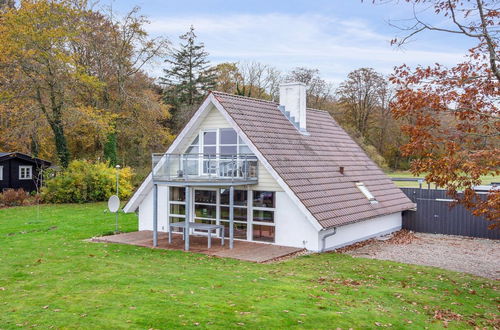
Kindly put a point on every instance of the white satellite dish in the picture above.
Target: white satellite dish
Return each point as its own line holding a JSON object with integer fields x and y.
{"x": 114, "y": 204}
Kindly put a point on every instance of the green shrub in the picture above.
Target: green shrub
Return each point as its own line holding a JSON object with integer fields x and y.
{"x": 84, "y": 181}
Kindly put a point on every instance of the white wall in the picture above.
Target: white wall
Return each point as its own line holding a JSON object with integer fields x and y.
{"x": 292, "y": 226}
{"x": 266, "y": 181}
{"x": 361, "y": 231}
{"x": 211, "y": 120}
{"x": 146, "y": 210}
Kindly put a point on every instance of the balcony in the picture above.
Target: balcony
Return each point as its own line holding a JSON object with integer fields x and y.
{"x": 205, "y": 169}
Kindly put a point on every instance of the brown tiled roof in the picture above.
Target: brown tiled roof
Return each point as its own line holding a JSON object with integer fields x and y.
{"x": 309, "y": 164}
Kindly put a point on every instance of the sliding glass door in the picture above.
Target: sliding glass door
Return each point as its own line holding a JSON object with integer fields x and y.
{"x": 205, "y": 206}
{"x": 240, "y": 213}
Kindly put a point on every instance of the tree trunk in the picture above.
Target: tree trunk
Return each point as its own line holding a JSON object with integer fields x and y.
{"x": 60, "y": 141}
{"x": 34, "y": 146}
{"x": 55, "y": 121}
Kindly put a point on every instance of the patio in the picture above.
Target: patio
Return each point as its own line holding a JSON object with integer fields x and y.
{"x": 242, "y": 250}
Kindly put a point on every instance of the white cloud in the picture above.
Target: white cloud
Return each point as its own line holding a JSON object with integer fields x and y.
{"x": 335, "y": 46}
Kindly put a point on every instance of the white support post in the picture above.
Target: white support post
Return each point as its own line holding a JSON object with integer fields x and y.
{"x": 188, "y": 218}
{"x": 231, "y": 216}
{"x": 155, "y": 215}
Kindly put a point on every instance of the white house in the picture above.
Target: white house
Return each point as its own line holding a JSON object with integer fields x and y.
{"x": 280, "y": 173}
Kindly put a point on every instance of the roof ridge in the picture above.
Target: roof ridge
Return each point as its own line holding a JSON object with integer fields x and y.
{"x": 313, "y": 109}
{"x": 259, "y": 100}
{"x": 245, "y": 97}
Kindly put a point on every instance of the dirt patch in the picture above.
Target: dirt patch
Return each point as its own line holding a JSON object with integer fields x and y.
{"x": 463, "y": 254}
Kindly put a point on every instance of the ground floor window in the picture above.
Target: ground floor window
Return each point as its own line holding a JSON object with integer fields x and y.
{"x": 205, "y": 206}
{"x": 240, "y": 216}
{"x": 177, "y": 204}
{"x": 253, "y": 211}
{"x": 263, "y": 233}
{"x": 25, "y": 172}
{"x": 263, "y": 209}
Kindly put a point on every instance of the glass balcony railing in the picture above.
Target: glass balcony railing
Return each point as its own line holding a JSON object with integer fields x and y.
{"x": 205, "y": 168}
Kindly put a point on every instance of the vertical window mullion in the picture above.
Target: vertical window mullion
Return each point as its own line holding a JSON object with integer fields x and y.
{"x": 250, "y": 215}
{"x": 217, "y": 151}
{"x": 168, "y": 208}
{"x": 200, "y": 153}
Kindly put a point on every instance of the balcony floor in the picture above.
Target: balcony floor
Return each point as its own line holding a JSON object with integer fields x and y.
{"x": 205, "y": 182}
{"x": 243, "y": 250}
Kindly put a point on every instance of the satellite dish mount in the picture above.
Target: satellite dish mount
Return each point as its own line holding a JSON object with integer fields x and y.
{"x": 114, "y": 206}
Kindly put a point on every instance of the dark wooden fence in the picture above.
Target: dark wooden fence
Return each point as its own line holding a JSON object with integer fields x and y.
{"x": 434, "y": 214}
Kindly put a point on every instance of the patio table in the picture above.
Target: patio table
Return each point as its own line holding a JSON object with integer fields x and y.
{"x": 195, "y": 225}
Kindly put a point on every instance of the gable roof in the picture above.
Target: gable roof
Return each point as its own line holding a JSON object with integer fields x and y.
{"x": 309, "y": 164}
{"x": 7, "y": 155}
{"x": 306, "y": 166}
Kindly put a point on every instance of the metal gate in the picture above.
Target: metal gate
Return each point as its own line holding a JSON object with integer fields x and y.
{"x": 435, "y": 214}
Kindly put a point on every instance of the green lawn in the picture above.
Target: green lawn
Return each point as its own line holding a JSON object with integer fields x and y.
{"x": 50, "y": 276}
{"x": 486, "y": 179}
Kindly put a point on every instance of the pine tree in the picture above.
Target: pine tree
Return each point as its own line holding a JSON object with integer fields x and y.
{"x": 188, "y": 78}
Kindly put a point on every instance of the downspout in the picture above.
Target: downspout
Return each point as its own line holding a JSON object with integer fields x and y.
{"x": 323, "y": 239}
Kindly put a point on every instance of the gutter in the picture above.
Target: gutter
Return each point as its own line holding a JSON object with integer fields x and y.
{"x": 323, "y": 239}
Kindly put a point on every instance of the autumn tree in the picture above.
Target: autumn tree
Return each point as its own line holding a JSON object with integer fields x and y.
{"x": 361, "y": 94}
{"x": 37, "y": 64}
{"x": 452, "y": 112}
{"x": 188, "y": 78}
{"x": 7, "y": 5}
{"x": 318, "y": 92}
{"x": 115, "y": 51}
{"x": 227, "y": 77}
{"x": 258, "y": 80}
{"x": 92, "y": 64}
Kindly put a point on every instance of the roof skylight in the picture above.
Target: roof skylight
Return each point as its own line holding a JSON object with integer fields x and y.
{"x": 361, "y": 186}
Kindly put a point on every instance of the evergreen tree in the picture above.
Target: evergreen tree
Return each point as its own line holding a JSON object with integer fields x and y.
{"x": 187, "y": 79}
{"x": 110, "y": 149}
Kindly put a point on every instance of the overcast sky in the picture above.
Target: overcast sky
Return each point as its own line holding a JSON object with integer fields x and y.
{"x": 335, "y": 36}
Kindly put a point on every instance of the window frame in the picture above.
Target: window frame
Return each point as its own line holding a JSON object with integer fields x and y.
{"x": 193, "y": 210}
{"x": 220, "y": 220}
{"x": 25, "y": 167}
{"x": 202, "y": 146}
{"x": 253, "y": 208}
{"x": 1, "y": 172}
{"x": 200, "y": 139}
{"x": 170, "y": 202}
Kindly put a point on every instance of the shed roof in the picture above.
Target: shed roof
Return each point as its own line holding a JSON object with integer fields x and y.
{"x": 309, "y": 164}
{"x": 7, "y": 155}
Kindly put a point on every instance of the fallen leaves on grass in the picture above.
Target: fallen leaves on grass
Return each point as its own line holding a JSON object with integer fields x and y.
{"x": 446, "y": 316}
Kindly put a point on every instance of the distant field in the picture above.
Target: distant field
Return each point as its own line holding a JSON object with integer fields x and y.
{"x": 486, "y": 179}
